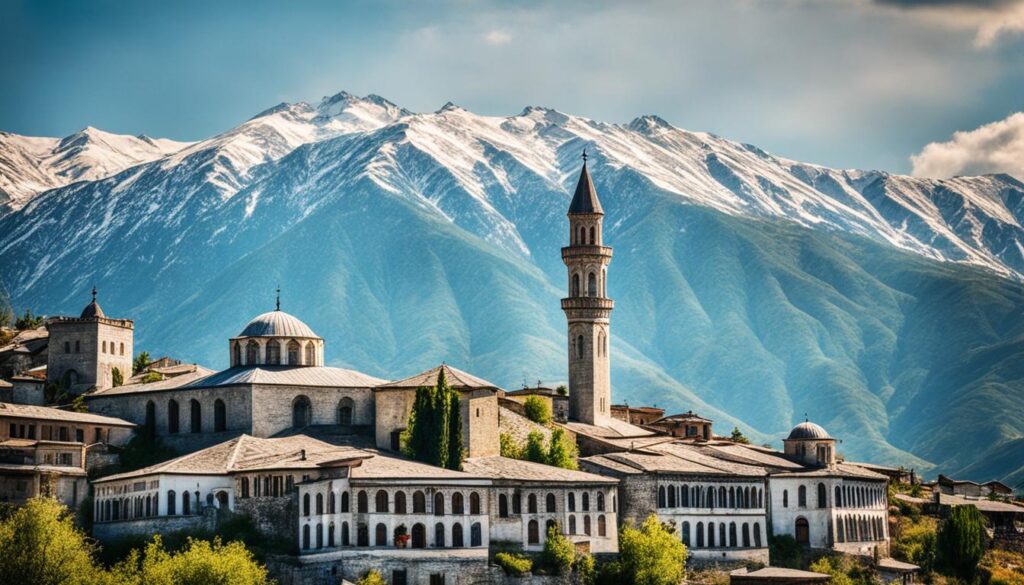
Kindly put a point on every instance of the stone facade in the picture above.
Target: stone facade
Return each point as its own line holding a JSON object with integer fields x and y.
{"x": 84, "y": 352}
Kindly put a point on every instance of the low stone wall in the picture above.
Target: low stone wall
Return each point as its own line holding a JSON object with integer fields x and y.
{"x": 460, "y": 567}
{"x": 727, "y": 557}
{"x": 272, "y": 516}
{"x": 107, "y": 532}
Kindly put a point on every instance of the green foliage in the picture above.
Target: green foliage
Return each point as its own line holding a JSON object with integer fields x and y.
{"x": 738, "y": 437}
{"x": 537, "y": 409}
{"x": 78, "y": 404}
{"x": 651, "y": 554}
{"x": 610, "y": 573}
{"x": 372, "y": 577}
{"x": 1002, "y": 567}
{"x": 28, "y": 321}
{"x": 562, "y": 451}
{"x": 535, "y": 449}
{"x": 844, "y": 569}
{"x": 40, "y": 544}
{"x": 152, "y": 377}
{"x": 960, "y": 543}
{"x": 584, "y": 569}
{"x": 784, "y": 551}
{"x": 515, "y": 565}
{"x": 509, "y": 447}
{"x": 140, "y": 362}
{"x": 117, "y": 377}
{"x": 559, "y": 552}
{"x": 200, "y": 563}
{"x": 914, "y": 539}
{"x": 144, "y": 449}
{"x": 562, "y": 390}
{"x": 434, "y": 432}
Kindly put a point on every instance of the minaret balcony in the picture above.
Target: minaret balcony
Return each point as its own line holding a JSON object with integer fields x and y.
{"x": 586, "y": 252}
{"x": 588, "y": 303}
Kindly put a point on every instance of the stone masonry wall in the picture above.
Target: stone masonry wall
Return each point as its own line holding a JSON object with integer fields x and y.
{"x": 272, "y": 406}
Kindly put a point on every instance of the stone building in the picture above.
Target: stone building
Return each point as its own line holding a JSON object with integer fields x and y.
{"x": 637, "y": 415}
{"x": 85, "y": 351}
{"x": 686, "y": 425}
{"x": 47, "y": 451}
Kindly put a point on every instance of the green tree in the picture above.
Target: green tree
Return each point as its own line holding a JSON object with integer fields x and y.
{"x": 559, "y": 552}
{"x": 372, "y": 577}
{"x": 140, "y": 362}
{"x": 562, "y": 451}
{"x": 960, "y": 543}
{"x": 433, "y": 434}
{"x": 28, "y": 321}
{"x": 562, "y": 390}
{"x": 738, "y": 437}
{"x": 509, "y": 447}
{"x": 651, "y": 554}
{"x": 584, "y": 569}
{"x": 784, "y": 551}
{"x": 535, "y": 450}
{"x": 200, "y": 563}
{"x": 833, "y": 567}
{"x": 116, "y": 377}
{"x": 455, "y": 446}
{"x": 537, "y": 409}
{"x": 40, "y": 544}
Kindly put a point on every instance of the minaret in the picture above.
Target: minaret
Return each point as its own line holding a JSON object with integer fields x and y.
{"x": 587, "y": 308}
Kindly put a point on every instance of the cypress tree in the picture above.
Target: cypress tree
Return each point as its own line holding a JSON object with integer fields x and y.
{"x": 438, "y": 443}
{"x": 454, "y": 428}
{"x": 961, "y": 541}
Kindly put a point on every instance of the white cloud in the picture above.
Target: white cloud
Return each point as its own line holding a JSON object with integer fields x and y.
{"x": 497, "y": 37}
{"x": 993, "y": 148}
{"x": 987, "y": 19}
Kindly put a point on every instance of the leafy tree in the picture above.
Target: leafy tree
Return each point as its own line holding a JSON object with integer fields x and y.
{"x": 833, "y": 567}
{"x": 151, "y": 377}
{"x": 200, "y": 563}
{"x": 562, "y": 452}
{"x": 372, "y": 577}
{"x": 559, "y": 552}
{"x": 738, "y": 437}
{"x": 39, "y": 544}
{"x": 537, "y": 409}
{"x": 28, "y": 321}
{"x": 535, "y": 450}
{"x": 651, "y": 554}
{"x": 960, "y": 543}
{"x": 140, "y": 362}
{"x": 509, "y": 447}
{"x": 584, "y": 569}
{"x": 515, "y": 565}
{"x": 562, "y": 390}
{"x": 453, "y": 418}
{"x": 116, "y": 377}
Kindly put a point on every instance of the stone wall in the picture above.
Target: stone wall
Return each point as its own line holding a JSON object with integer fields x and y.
{"x": 28, "y": 392}
{"x": 276, "y": 517}
{"x": 392, "y": 413}
{"x": 480, "y": 423}
{"x": 132, "y": 407}
{"x": 272, "y": 406}
{"x": 78, "y": 345}
{"x": 460, "y": 567}
{"x": 107, "y": 532}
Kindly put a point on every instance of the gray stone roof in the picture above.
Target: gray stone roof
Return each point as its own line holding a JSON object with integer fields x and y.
{"x": 136, "y": 386}
{"x": 808, "y": 430}
{"x": 890, "y": 564}
{"x": 383, "y": 467}
{"x": 5, "y": 384}
{"x": 503, "y": 468}
{"x": 56, "y": 414}
{"x": 781, "y": 573}
{"x": 456, "y": 379}
{"x": 612, "y": 429}
{"x": 277, "y": 324}
{"x": 585, "y": 200}
{"x": 982, "y": 504}
{"x": 837, "y": 470}
{"x": 325, "y": 376}
{"x": 751, "y": 455}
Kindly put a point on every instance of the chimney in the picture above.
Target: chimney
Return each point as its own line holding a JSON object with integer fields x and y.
{"x": 302, "y": 454}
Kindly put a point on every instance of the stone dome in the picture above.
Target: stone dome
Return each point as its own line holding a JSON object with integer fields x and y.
{"x": 808, "y": 430}
{"x": 92, "y": 311}
{"x": 277, "y": 324}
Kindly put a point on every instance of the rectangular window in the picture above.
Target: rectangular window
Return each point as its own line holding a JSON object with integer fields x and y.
{"x": 98, "y": 437}
{"x": 398, "y": 577}
{"x": 80, "y": 435}
{"x": 63, "y": 433}
{"x": 14, "y": 431}
{"x": 65, "y": 458}
{"x": 436, "y": 579}
{"x": 31, "y": 431}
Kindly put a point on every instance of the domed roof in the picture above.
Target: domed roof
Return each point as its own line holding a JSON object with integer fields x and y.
{"x": 276, "y": 324}
{"x": 808, "y": 430}
{"x": 92, "y": 310}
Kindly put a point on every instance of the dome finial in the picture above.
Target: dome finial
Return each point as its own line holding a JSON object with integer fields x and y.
{"x": 584, "y": 156}
{"x": 94, "y": 294}
{"x": 278, "y": 303}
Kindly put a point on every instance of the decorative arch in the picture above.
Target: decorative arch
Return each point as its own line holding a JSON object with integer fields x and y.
{"x": 345, "y": 408}
{"x": 302, "y": 411}
{"x": 294, "y": 351}
{"x": 252, "y": 353}
{"x": 273, "y": 353}
{"x": 310, "y": 354}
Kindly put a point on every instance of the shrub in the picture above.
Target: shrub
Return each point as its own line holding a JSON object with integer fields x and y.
{"x": 515, "y": 565}
{"x": 651, "y": 554}
{"x": 960, "y": 543}
{"x": 610, "y": 574}
{"x": 509, "y": 447}
{"x": 117, "y": 378}
{"x": 784, "y": 551}
{"x": 562, "y": 451}
{"x": 559, "y": 552}
{"x": 200, "y": 563}
{"x": 584, "y": 569}
{"x": 1000, "y": 567}
{"x": 915, "y": 541}
{"x": 39, "y": 544}
{"x": 372, "y": 577}
{"x": 535, "y": 450}
{"x": 537, "y": 409}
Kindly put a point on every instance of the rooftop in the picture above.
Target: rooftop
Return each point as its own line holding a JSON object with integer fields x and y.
{"x": 323, "y": 376}
{"x": 170, "y": 382}
{"x": 513, "y": 469}
{"x": 807, "y": 430}
{"x": 585, "y": 199}
{"x": 456, "y": 379}
{"x": 56, "y": 414}
{"x": 277, "y": 324}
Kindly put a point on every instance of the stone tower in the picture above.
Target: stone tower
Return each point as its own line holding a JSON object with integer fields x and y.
{"x": 84, "y": 351}
{"x": 587, "y": 308}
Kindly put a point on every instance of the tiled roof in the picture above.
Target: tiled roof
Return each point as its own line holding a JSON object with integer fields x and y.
{"x": 612, "y": 429}
{"x": 456, "y": 379}
{"x": 380, "y": 467}
{"x": 56, "y": 414}
{"x": 33, "y": 468}
{"x": 6, "y": 384}
{"x": 894, "y": 565}
{"x": 983, "y": 505}
{"x": 516, "y": 470}
{"x": 696, "y": 455}
{"x": 782, "y": 573}
{"x": 288, "y": 376}
{"x": 838, "y": 470}
{"x": 277, "y": 324}
{"x": 750, "y": 455}
{"x": 170, "y": 383}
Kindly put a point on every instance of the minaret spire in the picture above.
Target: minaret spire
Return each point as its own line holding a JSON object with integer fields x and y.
{"x": 278, "y": 304}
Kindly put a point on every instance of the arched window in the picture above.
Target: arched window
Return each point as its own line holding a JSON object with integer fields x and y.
{"x": 345, "y": 411}
{"x": 104, "y": 347}
{"x": 305, "y": 536}
{"x": 381, "y": 501}
{"x": 310, "y": 354}
{"x": 475, "y": 535}
{"x": 532, "y": 533}
{"x": 458, "y": 504}
{"x": 305, "y": 505}
{"x": 319, "y": 535}
{"x": 801, "y": 496}
{"x": 362, "y": 503}
{"x": 252, "y": 352}
{"x": 220, "y": 416}
{"x": 273, "y": 353}
{"x": 399, "y": 502}
{"x": 474, "y": 503}
{"x": 711, "y": 535}
{"x": 439, "y": 535}
{"x": 671, "y": 496}
{"x": 344, "y": 534}
{"x": 172, "y": 503}
{"x": 381, "y": 538}
{"x": 457, "y": 540}
{"x": 591, "y": 285}
{"x": 549, "y": 504}
{"x": 172, "y": 417}
{"x": 419, "y": 503}
{"x": 601, "y": 527}
{"x": 579, "y": 347}
{"x": 502, "y": 506}
{"x": 572, "y": 524}
{"x": 344, "y": 502}
{"x": 757, "y": 534}
{"x": 822, "y": 495}
{"x": 575, "y": 285}
{"x": 319, "y": 503}
{"x": 572, "y": 502}
{"x": 593, "y": 240}
{"x": 67, "y": 346}
{"x": 686, "y": 533}
{"x": 122, "y": 348}
{"x": 600, "y": 502}
{"x": 439, "y": 504}
{"x": 186, "y": 503}
{"x": 236, "y": 354}
{"x": 197, "y": 416}
{"x": 785, "y": 498}
{"x": 700, "y": 535}
{"x": 419, "y": 535}
{"x": 150, "y": 418}
{"x": 302, "y": 412}
{"x": 746, "y": 535}
{"x": 331, "y": 503}
{"x": 517, "y": 504}
{"x": 531, "y": 504}
{"x": 684, "y": 496}
{"x": 330, "y": 532}
{"x": 586, "y": 502}
{"x": 721, "y": 535}
{"x": 586, "y": 524}
{"x": 732, "y": 534}
{"x": 362, "y": 535}
{"x": 803, "y": 535}
{"x": 293, "y": 353}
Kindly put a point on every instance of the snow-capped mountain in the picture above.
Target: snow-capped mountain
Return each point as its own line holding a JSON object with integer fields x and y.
{"x": 751, "y": 287}
{"x": 30, "y": 165}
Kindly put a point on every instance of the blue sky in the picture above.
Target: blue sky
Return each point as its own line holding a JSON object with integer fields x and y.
{"x": 847, "y": 83}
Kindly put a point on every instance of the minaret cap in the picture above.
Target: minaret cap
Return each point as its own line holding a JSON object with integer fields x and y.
{"x": 585, "y": 200}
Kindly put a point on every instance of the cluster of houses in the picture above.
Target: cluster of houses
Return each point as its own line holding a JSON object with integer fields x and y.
{"x": 312, "y": 452}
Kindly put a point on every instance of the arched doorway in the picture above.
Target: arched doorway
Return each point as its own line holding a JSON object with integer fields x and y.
{"x": 803, "y": 531}
{"x": 419, "y": 536}
{"x": 302, "y": 412}
{"x": 222, "y": 500}
{"x": 345, "y": 411}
